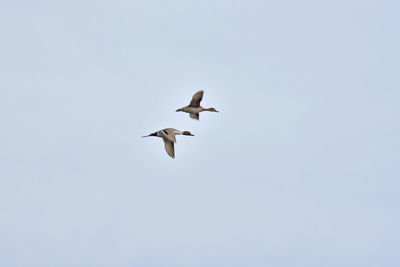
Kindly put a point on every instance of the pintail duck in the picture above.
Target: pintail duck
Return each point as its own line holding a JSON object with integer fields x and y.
{"x": 194, "y": 107}
{"x": 168, "y": 135}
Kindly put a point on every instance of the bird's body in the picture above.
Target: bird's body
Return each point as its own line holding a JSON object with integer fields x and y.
{"x": 194, "y": 107}
{"x": 168, "y": 136}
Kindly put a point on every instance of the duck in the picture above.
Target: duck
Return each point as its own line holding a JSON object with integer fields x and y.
{"x": 194, "y": 107}
{"x": 168, "y": 136}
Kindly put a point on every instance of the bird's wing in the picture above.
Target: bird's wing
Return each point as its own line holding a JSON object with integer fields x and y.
{"x": 169, "y": 147}
{"x": 196, "y": 99}
{"x": 169, "y": 134}
{"x": 195, "y": 116}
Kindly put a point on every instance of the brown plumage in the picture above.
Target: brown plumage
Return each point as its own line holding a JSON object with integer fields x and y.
{"x": 194, "y": 107}
{"x": 168, "y": 136}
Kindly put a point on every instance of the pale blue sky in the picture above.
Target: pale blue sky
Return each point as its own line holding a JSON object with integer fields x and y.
{"x": 300, "y": 167}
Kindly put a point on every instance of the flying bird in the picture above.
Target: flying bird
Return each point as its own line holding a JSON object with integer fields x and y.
{"x": 168, "y": 136}
{"x": 194, "y": 107}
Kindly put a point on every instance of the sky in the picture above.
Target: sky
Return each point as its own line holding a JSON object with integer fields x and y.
{"x": 299, "y": 168}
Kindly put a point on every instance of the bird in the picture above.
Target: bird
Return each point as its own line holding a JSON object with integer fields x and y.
{"x": 194, "y": 107}
{"x": 168, "y": 136}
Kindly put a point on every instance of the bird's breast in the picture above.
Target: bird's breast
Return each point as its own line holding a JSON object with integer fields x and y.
{"x": 193, "y": 109}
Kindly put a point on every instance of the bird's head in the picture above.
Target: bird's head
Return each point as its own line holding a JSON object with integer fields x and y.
{"x": 187, "y": 133}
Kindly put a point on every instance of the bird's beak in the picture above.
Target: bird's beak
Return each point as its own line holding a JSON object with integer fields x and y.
{"x": 177, "y": 110}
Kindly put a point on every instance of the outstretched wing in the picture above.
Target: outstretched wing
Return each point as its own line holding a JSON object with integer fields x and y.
{"x": 195, "y": 116}
{"x": 169, "y": 147}
{"x": 168, "y": 134}
{"x": 196, "y": 99}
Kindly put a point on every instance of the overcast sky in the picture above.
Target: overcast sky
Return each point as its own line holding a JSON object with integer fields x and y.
{"x": 299, "y": 168}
